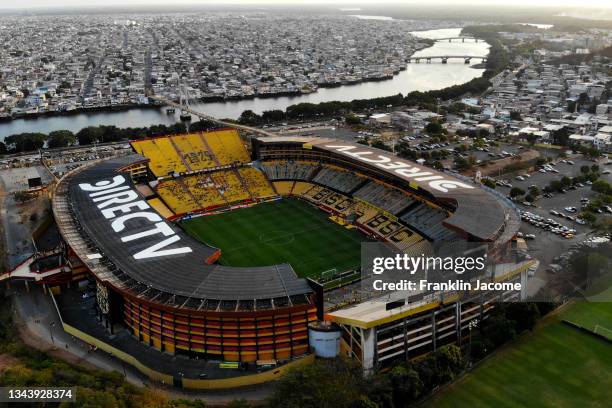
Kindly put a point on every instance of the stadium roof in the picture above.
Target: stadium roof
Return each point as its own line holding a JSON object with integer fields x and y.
{"x": 478, "y": 212}
{"x": 133, "y": 241}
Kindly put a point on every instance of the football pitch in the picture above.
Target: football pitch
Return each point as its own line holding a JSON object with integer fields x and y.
{"x": 555, "y": 366}
{"x": 287, "y": 230}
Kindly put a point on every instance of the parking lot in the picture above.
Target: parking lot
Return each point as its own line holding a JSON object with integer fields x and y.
{"x": 548, "y": 245}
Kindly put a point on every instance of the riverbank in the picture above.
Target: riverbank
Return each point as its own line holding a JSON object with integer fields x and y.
{"x": 94, "y": 109}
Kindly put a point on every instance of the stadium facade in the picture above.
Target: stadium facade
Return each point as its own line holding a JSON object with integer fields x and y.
{"x": 116, "y": 218}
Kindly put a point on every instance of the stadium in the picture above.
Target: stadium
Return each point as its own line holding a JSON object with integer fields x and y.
{"x": 217, "y": 247}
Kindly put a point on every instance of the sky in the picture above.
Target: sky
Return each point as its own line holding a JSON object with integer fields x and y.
{"x": 21, "y": 4}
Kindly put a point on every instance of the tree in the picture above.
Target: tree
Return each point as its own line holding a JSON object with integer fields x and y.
{"x": 26, "y": 142}
{"x": 434, "y": 128}
{"x": 524, "y": 314}
{"x": 352, "y": 120}
{"x": 585, "y": 169}
{"x": 499, "y": 329}
{"x": 407, "y": 386}
{"x": 601, "y": 186}
{"x": 61, "y": 138}
{"x": 561, "y": 136}
{"x": 516, "y": 192}
{"x": 22, "y": 196}
{"x": 449, "y": 362}
{"x": 534, "y": 191}
{"x": 515, "y": 115}
{"x": 489, "y": 183}
{"x": 379, "y": 144}
{"x": 531, "y": 138}
{"x": 275, "y": 115}
{"x": 89, "y": 135}
{"x": 555, "y": 185}
{"x": 324, "y": 383}
{"x": 566, "y": 181}
{"x": 588, "y": 217}
{"x": 583, "y": 99}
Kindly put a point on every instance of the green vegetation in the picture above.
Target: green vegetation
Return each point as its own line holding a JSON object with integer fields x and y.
{"x": 282, "y": 231}
{"x": 94, "y": 388}
{"x": 489, "y": 183}
{"x": 340, "y": 383}
{"x": 23, "y": 196}
{"x": 516, "y": 192}
{"x": 426, "y": 100}
{"x": 26, "y": 142}
{"x": 61, "y": 138}
{"x": 556, "y": 366}
{"x": 498, "y": 58}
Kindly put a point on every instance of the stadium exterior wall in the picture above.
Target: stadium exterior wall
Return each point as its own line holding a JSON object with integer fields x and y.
{"x": 232, "y": 336}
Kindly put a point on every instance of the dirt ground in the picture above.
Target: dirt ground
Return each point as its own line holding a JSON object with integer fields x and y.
{"x": 494, "y": 168}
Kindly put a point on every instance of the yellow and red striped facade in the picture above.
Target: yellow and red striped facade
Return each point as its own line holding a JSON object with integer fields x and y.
{"x": 232, "y": 336}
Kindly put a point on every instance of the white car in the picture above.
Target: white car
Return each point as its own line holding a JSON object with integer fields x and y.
{"x": 530, "y": 236}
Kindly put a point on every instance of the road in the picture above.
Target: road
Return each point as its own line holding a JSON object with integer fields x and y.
{"x": 40, "y": 327}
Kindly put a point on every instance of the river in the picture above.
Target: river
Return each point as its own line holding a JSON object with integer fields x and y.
{"x": 421, "y": 77}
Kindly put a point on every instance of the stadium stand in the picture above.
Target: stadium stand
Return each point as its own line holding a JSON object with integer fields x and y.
{"x": 428, "y": 220}
{"x": 332, "y": 200}
{"x": 227, "y": 147}
{"x": 317, "y": 194}
{"x": 290, "y": 170}
{"x": 404, "y": 239}
{"x": 160, "y": 207}
{"x": 164, "y": 159}
{"x": 177, "y": 197}
{"x": 420, "y": 248}
{"x": 364, "y": 211}
{"x": 194, "y": 152}
{"x": 383, "y": 225}
{"x": 337, "y": 179}
{"x": 204, "y": 190}
{"x": 256, "y": 182}
{"x": 284, "y": 188}
{"x": 230, "y": 186}
{"x": 301, "y": 188}
{"x": 388, "y": 198}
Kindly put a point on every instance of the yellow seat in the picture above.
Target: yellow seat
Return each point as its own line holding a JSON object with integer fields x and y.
{"x": 256, "y": 182}
{"x": 164, "y": 159}
{"x": 193, "y": 151}
{"x": 227, "y": 146}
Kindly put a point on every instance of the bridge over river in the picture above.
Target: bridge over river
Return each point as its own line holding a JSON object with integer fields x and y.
{"x": 444, "y": 58}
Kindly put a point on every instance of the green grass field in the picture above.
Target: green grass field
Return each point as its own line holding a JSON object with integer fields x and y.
{"x": 556, "y": 366}
{"x": 592, "y": 315}
{"x": 288, "y": 230}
